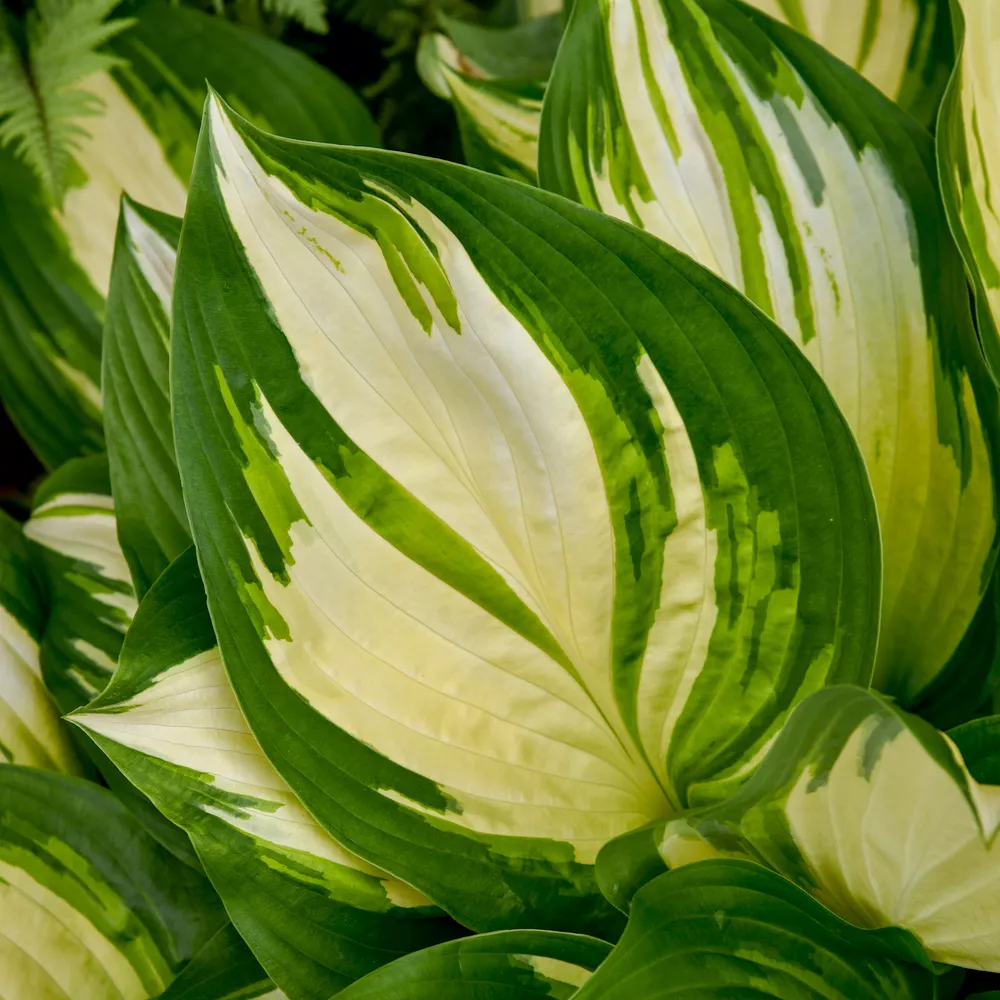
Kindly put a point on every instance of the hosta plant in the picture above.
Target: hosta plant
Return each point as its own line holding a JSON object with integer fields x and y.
{"x": 71, "y": 113}
{"x": 568, "y": 573}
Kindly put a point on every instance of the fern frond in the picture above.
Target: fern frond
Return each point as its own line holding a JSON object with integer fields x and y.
{"x": 367, "y": 13}
{"x": 311, "y": 14}
{"x": 40, "y": 106}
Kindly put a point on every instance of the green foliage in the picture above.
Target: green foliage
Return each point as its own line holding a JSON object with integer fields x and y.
{"x": 269, "y": 16}
{"x": 550, "y": 575}
{"x": 720, "y": 929}
{"x": 311, "y": 14}
{"x": 41, "y": 106}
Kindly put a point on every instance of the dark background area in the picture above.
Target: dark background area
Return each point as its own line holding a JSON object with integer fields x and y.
{"x": 19, "y": 469}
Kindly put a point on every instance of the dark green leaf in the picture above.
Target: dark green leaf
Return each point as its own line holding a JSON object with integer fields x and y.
{"x": 732, "y": 929}
{"x": 979, "y": 743}
{"x": 524, "y": 51}
{"x": 224, "y": 969}
{"x": 504, "y": 965}
{"x": 145, "y": 483}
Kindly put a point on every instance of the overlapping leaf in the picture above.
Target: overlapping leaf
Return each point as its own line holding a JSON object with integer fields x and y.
{"x": 508, "y": 543}
{"x": 499, "y": 109}
{"x": 91, "y": 907}
{"x": 152, "y": 524}
{"x": 91, "y": 600}
{"x": 50, "y": 325}
{"x": 504, "y": 965}
{"x": 224, "y": 969}
{"x": 904, "y": 47}
{"x": 30, "y": 730}
{"x": 733, "y": 929}
{"x": 742, "y": 143}
{"x": 55, "y": 264}
{"x": 872, "y": 811}
{"x": 979, "y": 744}
{"x": 315, "y": 916}
{"x": 969, "y": 158}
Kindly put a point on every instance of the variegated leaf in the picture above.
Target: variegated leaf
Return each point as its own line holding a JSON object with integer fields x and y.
{"x": 873, "y": 812}
{"x": 904, "y": 47}
{"x": 969, "y": 157}
{"x": 55, "y": 264}
{"x": 315, "y": 916}
{"x": 725, "y": 928}
{"x": 518, "y": 527}
{"x": 744, "y": 144}
{"x": 91, "y": 907}
{"x": 504, "y": 965}
{"x": 91, "y": 603}
{"x": 168, "y": 56}
{"x": 31, "y": 732}
{"x": 50, "y": 325}
{"x": 498, "y": 118}
{"x": 91, "y": 600}
{"x": 152, "y": 524}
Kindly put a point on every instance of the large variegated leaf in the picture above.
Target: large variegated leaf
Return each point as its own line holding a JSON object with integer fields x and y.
{"x": 504, "y": 965}
{"x": 91, "y": 600}
{"x": 904, "y": 47}
{"x": 31, "y": 732}
{"x": 498, "y": 118}
{"x": 55, "y": 265}
{"x": 316, "y": 916}
{"x": 872, "y": 811}
{"x": 91, "y": 907}
{"x": 224, "y": 969}
{"x": 723, "y": 929}
{"x": 969, "y": 159}
{"x": 518, "y": 527}
{"x": 152, "y": 525}
{"x": 744, "y": 144}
